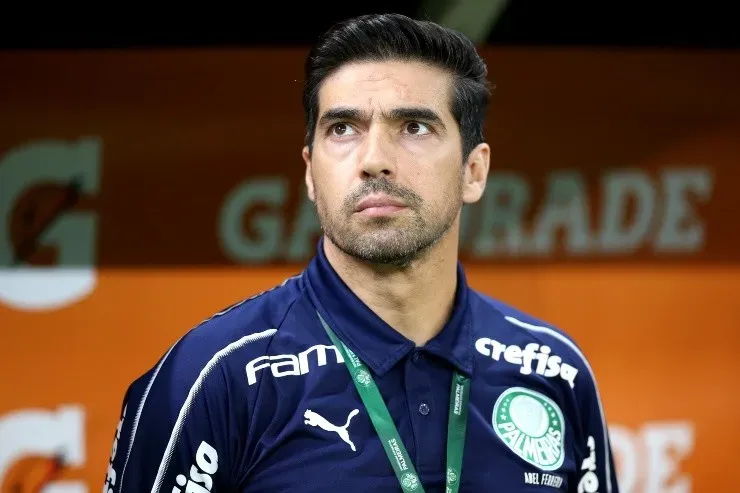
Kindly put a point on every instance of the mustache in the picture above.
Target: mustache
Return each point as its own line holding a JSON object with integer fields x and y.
{"x": 408, "y": 196}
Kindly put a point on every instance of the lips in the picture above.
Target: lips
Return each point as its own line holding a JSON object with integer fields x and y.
{"x": 379, "y": 202}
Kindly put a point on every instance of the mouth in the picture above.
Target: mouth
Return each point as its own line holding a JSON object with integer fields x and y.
{"x": 379, "y": 205}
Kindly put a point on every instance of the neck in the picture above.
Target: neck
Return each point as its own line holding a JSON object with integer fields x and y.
{"x": 415, "y": 300}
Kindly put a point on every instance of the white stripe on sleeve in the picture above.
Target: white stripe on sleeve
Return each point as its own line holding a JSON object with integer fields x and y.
{"x": 194, "y": 390}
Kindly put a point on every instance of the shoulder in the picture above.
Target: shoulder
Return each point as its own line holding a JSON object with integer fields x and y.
{"x": 517, "y": 321}
{"x": 184, "y": 404}
{"x": 244, "y": 329}
{"x": 503, "y": 326}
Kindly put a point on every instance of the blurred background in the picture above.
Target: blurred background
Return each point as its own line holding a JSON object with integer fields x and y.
{"x": 150, "y": 175}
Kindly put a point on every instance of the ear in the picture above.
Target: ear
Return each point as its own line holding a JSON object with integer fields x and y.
{"x": 476, "y": 173}
{"x": 309, "y": 177}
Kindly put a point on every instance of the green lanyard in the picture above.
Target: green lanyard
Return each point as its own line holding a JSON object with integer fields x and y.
{"x": 383, "y": 423}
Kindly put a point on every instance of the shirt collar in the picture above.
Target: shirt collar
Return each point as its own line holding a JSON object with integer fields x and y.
{"x": 378, "y": 345}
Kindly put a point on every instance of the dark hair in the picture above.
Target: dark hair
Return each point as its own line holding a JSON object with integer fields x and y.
{"x": 380, "y": 37}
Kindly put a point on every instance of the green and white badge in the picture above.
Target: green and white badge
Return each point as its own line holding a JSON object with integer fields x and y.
{"x": 531, "y": 425}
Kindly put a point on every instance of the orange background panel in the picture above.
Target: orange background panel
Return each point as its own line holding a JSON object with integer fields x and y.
{"x": 661, "y": 341}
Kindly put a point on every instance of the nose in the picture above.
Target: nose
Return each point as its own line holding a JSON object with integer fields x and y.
{"x": 377, "y": 155}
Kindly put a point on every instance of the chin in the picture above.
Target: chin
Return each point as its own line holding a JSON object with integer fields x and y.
{"x": 395, "y": 249}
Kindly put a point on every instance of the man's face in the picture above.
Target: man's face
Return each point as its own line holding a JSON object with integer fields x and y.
{"x": 386, "y": 171}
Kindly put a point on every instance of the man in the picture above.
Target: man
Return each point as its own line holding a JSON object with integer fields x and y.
{"x": 377, "y": 368}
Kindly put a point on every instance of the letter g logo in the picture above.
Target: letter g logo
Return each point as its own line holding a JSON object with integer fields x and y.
{"x": 47, "y": 224}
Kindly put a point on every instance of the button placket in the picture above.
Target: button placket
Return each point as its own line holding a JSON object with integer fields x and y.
{"x": 421, "y": 401}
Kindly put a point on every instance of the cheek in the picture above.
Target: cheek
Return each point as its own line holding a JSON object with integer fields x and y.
{"x": 328, "y": 186}
{"x": 439, "y": 182}
{"x": 448, "y": 195}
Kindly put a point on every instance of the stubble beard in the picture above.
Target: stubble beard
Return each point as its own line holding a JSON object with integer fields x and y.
{"x": 394, "y": 241}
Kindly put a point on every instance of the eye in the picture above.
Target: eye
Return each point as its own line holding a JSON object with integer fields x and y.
{"x": 341, "y": 129}
{"x": 417, "y": 128}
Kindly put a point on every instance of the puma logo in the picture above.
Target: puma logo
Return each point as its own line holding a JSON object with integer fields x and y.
{"x": 314, "y": 419}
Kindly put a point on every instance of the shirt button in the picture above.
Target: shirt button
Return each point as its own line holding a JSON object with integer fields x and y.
{"x": 417, "y": 357}
{"x": 423, "y": 408}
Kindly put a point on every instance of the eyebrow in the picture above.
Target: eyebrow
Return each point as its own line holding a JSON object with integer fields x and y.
{"x": 406, "y": 113}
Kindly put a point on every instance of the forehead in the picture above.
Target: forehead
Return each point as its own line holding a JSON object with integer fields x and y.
{"x": 387, "y": 84}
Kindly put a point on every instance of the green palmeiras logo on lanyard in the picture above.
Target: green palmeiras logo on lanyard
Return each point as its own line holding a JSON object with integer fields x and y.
{"x": 363, "y": 378}
{"x": 531, "y": 425}
{"x": 409, "y": 481}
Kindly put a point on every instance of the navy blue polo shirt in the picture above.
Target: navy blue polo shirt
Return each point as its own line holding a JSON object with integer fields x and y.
{"x": 257, "y": 399}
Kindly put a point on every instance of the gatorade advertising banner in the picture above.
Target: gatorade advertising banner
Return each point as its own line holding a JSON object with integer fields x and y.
{"x": 142, "y": 191}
